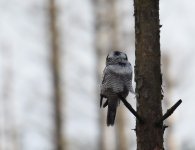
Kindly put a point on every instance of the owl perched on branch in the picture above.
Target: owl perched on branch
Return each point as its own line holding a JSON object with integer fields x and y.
{"x": 117, "y": 80}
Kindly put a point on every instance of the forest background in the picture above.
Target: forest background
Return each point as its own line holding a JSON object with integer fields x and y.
{"x": 79, "y": 35}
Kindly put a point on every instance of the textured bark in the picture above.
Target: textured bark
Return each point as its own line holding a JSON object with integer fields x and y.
{"x": 56, "y": 76}
{"x": 148, "y": 74}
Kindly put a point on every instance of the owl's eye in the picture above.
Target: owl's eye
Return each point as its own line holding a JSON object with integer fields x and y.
{"x": 116, "y": 53}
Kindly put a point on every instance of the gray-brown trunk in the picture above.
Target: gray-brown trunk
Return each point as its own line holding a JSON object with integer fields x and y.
{"x": 55, "y": 56}
{"x": 148, "y": 74}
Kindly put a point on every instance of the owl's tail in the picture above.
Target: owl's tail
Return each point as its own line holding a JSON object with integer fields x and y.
{"x": 112, "y": 107}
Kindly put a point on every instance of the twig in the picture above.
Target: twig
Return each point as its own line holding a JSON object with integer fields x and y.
{"x": 105, "y": 104}
{"x": 131, "y": 109}
{"x": 101, "y": 99}
{"x": 168, "y": 113}
{"x": 164, "y": 127}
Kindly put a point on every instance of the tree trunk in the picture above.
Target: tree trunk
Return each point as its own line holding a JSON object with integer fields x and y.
{"x": 148, "y": 74}
{"x": 58, "y": 137}
{"x": 122, "y": 138}
{"x": 9, "y": 133}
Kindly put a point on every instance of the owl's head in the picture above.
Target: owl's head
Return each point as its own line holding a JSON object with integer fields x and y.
{"x": 116, "y": 57}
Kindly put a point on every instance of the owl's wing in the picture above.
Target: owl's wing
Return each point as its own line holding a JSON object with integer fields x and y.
{"x": 103, "y": 86}
{"x": 106, "y": 74}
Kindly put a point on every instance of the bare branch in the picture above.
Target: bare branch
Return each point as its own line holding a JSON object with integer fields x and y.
{"x": 105, "y": 104}
{"x": 101, "y": 99}
{"x": 169, "y": 112}
{"x": 131, "y": 109}
{"x": 164, "y": 127}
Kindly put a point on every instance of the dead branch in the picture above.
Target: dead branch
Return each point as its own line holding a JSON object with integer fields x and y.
{"x": 131, "y": 109}
{"x": 168, "y": 113}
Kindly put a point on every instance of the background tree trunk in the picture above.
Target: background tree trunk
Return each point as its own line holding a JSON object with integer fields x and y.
{"x": 122, "y": 138}
{"x": 9, "y": 132}
{"x": 168, "y": 82}
{"x": 148, "y": 74}
{"x": 55, "y": 56}
{"x": 108, "y": 37}
{"x": 100, "y": 46}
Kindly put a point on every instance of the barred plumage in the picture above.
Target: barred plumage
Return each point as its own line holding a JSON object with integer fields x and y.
{"x": 117, "y": 79}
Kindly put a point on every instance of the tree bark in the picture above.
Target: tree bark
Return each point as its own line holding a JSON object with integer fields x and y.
{"x": 148, "y": 74}
{"x": 56, "y": 76}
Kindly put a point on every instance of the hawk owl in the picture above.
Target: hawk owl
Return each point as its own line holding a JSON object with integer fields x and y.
{"x": 117, "y": 79}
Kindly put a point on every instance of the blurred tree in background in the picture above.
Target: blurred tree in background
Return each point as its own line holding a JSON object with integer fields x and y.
{"x": 109, "y": 36}
{"x": 168, "y": 82}
{"x": 56, "y": 70}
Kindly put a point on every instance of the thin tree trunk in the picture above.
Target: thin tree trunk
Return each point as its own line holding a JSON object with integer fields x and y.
{"x": 9, "y": 139}
{"x": 115, "y": 38}
{"x": 148, "y": 74}
{"x": 122, "y": 138}
{"x": 108, "y": 38}
{"x": 56, "y": 75}
{"x": 99, "y": 53}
